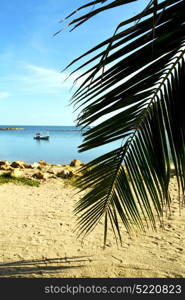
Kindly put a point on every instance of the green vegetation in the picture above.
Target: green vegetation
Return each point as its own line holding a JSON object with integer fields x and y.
{"x": 6, "y": 178}
{"x": 135, "y": 81}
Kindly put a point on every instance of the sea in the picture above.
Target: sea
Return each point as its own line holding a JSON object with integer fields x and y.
{"x": 61, "y": 148}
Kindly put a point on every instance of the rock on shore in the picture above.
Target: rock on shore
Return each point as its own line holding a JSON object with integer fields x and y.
{"x": 41, "y": 170}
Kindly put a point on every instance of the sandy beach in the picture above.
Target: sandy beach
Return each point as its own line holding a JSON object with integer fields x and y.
{"x": 37, "y": 239}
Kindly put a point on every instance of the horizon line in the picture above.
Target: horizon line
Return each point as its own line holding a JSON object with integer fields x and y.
{"x": 35, "y": 125}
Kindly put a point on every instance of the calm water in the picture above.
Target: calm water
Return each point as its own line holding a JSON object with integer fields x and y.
{"x": 62, "y": 146}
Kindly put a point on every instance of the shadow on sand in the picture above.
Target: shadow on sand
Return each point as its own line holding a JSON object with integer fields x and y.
{"x": 38, "y": 268}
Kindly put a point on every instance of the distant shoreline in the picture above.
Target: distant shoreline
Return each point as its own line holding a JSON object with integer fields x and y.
{"x": 11, "y": 128}
{"x": 61, "y": 130}
{"x": 48, "y": 129}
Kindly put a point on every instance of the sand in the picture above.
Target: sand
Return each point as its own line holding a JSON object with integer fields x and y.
{"x": 37, "y": 239}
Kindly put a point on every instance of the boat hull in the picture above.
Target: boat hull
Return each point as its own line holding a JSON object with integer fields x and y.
{"x": 41, "y": 137}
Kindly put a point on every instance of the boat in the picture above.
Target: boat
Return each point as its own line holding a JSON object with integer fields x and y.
{"x": 40, "y": 136}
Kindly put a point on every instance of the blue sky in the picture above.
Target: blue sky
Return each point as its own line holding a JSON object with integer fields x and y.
{"x": 32, "y": 91}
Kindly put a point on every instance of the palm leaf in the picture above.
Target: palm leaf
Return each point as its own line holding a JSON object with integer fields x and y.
{"x": 143, "y": 89}
{"x": 77, "y": 22}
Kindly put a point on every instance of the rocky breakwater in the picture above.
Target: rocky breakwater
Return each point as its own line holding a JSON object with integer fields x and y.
{"x": 11, "y": 128}
{"x": 41, "y": 170}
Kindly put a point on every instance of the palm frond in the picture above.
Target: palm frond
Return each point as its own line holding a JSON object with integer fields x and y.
{"x": 84, "y": 18}
{"x": 143, "y": 87}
